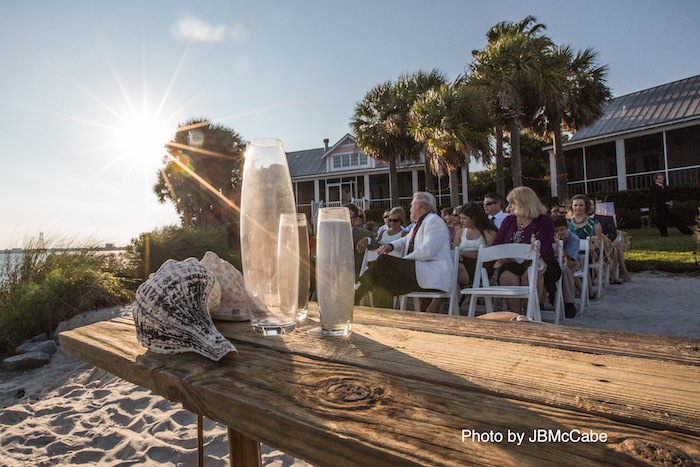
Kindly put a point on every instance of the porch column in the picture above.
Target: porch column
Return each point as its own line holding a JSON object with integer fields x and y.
{"x": 317, "y": 195}
{"x": 620, "y": 161}
{"x": 368, "y": 191}
{"x": 414, "y": 180}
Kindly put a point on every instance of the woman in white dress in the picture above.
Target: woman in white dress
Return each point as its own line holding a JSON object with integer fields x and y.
{"x": 477, "y": 230}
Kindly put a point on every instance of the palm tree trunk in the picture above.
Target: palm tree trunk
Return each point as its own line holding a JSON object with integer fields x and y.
{"x": 429, "y": 177}
{"x": 393, "y": 183}
{"x": 515, "y": 162}
{"x": 560, "y": 163}
{"x": 500, "y": 178}
{"x": 454, "y": 190}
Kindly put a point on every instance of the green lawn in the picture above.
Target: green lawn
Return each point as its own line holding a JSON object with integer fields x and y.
{"x": 676, "y": 253}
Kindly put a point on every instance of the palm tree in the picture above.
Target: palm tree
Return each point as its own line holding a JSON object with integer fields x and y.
{"x": 572, "y": 99}
{"x": 509, "y": 70}
{"x": 202, "y": 174}
{"x": 453, "y": 123}
{"x": 380, "y": 121}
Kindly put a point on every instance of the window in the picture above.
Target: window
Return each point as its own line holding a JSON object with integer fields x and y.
{"x": 644, "y": 154}
{"x": 601, "y": 161}
{"x": 349, "y": 160}
{"x": 683, "y": 147}
{"x": 574, "y": 164}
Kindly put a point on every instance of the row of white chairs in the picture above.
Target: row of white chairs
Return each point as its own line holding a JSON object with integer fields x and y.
{"x": 482, "y": 288}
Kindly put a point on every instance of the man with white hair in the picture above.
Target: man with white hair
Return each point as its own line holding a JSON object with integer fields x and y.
{"x": 425, "y": 263}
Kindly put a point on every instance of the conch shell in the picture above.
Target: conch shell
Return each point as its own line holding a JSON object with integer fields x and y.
{"x": 234, "y": 303}
{"x": 171, "y": 313}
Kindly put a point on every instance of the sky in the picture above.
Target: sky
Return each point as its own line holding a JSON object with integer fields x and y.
{"x": 90, "y": 90}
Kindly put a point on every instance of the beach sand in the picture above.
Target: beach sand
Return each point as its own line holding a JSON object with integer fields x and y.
{"x": 68, "y": 412}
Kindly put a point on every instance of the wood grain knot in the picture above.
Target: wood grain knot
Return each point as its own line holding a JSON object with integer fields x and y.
{"x": 655, "y": 453}
{"x": 348, "y": 393}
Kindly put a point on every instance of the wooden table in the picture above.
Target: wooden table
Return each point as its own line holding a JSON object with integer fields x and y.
{"x": 417, "y": 389}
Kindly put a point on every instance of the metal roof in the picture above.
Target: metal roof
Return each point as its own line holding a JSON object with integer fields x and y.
{"x": 307, "y": 162}
{"x": 661, "y": 105}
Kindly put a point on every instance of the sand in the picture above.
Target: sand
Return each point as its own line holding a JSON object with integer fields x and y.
{"x": 68, "y": 412}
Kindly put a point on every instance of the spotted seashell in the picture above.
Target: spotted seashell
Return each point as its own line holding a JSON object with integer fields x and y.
{"x": 234, "y": 305}
{"x": 171, "y": 311}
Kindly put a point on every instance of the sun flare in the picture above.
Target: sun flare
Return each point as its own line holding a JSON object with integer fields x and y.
{"x": 141, "y": 139}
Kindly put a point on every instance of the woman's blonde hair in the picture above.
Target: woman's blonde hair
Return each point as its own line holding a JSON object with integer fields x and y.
{"x": 402, "y": 214}
{"x": 525, "y": 203}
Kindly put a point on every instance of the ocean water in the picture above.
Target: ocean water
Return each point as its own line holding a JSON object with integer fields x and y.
{"x": 8, "y": 259}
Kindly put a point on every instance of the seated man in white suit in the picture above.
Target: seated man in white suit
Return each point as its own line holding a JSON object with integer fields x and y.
{"x": 426, "y": 262}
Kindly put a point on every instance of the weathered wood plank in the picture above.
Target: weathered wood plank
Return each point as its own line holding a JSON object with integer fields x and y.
{"x": 652, "y": 392}
{"x": 331, "y": 413}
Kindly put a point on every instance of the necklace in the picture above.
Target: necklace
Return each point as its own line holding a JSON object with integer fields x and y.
{"x": 523, "y": 223}
{"x": 577, "y": 222}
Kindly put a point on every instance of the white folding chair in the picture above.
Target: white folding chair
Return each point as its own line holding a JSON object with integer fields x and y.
{"x": 451, "y": 294}
{"x": 558, "y": 295}
{"x": 369, "y": 256}
{"x": 599, "y": 269}
{"x": 582, "y": 273}
{"x": 482, "y": 288}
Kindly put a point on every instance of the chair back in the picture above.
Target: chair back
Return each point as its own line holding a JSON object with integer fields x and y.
{"x": 482, "y": 287}
{"x": 369, "y": 256}
{"x": 517, "y": 251}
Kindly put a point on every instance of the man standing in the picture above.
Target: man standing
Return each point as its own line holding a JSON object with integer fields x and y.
{"x": 426, "y": 262}
{"x": 662, "y": 201}
{"x": 493, "y": 205}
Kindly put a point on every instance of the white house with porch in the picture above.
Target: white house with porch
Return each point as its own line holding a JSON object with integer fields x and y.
{"x": 640, "y": 134}
{"x": 342, "y": 173}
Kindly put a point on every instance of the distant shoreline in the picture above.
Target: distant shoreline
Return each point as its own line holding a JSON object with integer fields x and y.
{"x": 60, "y": 250}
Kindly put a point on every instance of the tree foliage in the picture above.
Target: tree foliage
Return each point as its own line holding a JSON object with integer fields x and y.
{"x": 381, "y": 119}
{"x": 202, "y": 175}
{"x": 452, "y": 122}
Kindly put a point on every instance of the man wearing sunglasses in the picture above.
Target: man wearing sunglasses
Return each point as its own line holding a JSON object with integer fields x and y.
{"x": 493, "y": 205}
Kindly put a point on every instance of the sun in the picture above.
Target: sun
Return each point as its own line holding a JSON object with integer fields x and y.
{"x": 141, "y": 137}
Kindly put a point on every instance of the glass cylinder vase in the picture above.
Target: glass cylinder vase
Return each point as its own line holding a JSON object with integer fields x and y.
{"x": 304, "y": 267}
{"x": 335, "y": 271}
{"x": 269, "y": 238}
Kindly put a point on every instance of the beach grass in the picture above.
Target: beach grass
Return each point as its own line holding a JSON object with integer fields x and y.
{"x": 52, "y": 282}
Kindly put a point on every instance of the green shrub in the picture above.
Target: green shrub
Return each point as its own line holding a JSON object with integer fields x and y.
{"x": 150, "y": 250}
{"x": 47, "y": 287}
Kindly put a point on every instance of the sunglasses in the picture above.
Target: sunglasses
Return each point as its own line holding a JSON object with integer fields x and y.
{"x": 394, "y": 220}
{"x": 489, "y": 204}
{"x": 386, "y": 217}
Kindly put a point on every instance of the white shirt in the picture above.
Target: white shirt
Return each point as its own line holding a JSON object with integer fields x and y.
{"x": 498, "y": 218}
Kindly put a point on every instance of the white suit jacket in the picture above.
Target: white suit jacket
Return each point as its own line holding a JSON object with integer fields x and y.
{"x": 431, "y": 252}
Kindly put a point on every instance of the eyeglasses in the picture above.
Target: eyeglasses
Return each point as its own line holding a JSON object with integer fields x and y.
{"x": 490, "y": 203}
{"x": 394, "y": 220}
{"x": 386, "y": 217}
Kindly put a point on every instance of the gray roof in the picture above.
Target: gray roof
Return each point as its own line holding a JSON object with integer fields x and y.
{"x": 662, "y": 105}
{"x": 307, "y": 162}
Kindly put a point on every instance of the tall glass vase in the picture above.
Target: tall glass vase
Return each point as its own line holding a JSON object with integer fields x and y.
{"x": 335, "y": 271}
{"x": 304, "y": 267}
{"x": 269, "y": 238}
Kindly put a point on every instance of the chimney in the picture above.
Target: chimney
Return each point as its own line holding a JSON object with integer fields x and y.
{"x": 325, "y": 144}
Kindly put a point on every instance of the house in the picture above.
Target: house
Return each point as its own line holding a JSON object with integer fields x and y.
{"x": 640, "y": 134}
{"x": 342, "y": 173}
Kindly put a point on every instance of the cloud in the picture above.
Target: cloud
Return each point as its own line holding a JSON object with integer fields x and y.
{"x": 189, "y": 28}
